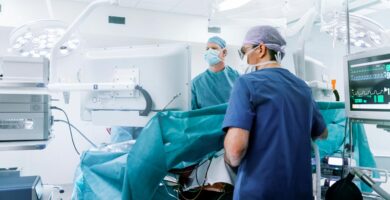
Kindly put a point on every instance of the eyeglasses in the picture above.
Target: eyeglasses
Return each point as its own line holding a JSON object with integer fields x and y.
{"x": 244, "y": 50}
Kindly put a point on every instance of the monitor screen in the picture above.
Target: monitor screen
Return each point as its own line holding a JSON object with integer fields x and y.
{"x": 369, "y": 83}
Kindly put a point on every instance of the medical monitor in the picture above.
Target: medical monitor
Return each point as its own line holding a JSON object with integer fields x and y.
{"x": 163, "y": 71}
{"x": 367, "y": 85}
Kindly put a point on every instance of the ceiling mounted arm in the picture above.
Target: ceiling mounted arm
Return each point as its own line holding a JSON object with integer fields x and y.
{"x": 72, "y": 27}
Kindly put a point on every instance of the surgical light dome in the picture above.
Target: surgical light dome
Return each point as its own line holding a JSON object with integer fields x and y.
{"x": 364, "y": 32}
{"x": 37, "y": 39}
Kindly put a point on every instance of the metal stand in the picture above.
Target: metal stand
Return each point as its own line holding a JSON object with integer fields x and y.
{"x": 357, "y": 171}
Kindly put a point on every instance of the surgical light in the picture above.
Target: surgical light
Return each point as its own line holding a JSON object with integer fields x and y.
{"x": 231, "y": 4}
{"x": 28, "y": 35}
{"x": 50, "y": 45}
{"x": 38, "y": 38}
{"x": 364, "y": 32}
{"x": 25, "y": 54}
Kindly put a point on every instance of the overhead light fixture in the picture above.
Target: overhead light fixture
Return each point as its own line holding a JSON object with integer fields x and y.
{"x": 231, "y": 4}
{"x": 364, "y": 32}
{"x": 37, "y": 39}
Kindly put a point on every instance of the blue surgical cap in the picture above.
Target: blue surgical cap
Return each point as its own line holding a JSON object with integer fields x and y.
{"x": 266, "y": 35}
{"x": 217, "y": 40}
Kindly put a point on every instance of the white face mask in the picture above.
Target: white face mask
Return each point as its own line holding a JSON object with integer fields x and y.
{"x": 252, "y": 67}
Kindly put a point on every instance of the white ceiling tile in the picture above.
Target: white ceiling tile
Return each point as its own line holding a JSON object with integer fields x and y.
{"x": 153, "y": 6}
{"x": 162, "y": 5}
{"x": 254, "y": 9}
{"x": 129, "y": 3}
{"x": 193, "y": 7}
{"x": 125, "y": 3}
{"x": 161, "y": 1}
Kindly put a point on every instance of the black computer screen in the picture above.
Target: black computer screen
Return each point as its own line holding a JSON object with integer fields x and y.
{"x": 369, "y": 83}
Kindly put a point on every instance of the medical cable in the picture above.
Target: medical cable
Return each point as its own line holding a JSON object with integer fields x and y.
{"x": 223, "y": 194}
{"x": 82, "y": 134}
{"x": 70, "y": 129}
{"x": 183, "y": 172}
{"x": 198, "y": 191}
{"x": 196, "y": 173}
{"x": 197, "y": 181}
{"x": 173, "y": 99}
{"x": 166, "y": 189}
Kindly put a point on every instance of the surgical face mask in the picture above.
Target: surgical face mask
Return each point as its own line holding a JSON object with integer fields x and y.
{"x": 252, "y": 67}
{"x": 212, "y": 57}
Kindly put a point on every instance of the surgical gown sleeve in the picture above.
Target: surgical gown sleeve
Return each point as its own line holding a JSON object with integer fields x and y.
{"x": 318, "y": 124}
{"x": 240, "y": 112}
{"x": 194, "y": 101}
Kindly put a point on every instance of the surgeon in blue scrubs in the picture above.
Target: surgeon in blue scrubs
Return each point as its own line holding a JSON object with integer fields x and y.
{"x": 213, "y": 86}
{"x": 270, "y": 120}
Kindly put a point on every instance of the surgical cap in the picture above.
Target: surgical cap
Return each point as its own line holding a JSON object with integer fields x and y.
{"x": 217, "y": 40}
{"x": 266, "y": 35}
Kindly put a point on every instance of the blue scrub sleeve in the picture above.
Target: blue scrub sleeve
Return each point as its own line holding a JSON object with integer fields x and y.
{"x": 318, "y": 123}
{"x": 240, "y": 112}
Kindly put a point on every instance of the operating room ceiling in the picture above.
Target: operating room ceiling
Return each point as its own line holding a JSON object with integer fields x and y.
{"x": 191, "y": 7}
{"x": 291, "y": 10}
{"x": 255, "y": 8}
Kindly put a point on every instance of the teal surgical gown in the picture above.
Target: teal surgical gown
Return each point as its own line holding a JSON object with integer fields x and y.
{"x": 180, "y": 139}
{"x": 212, "y": 88}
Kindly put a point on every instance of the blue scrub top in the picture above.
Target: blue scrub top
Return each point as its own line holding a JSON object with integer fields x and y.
{"x": 212, "y": 88}
{"x": 278, "y": 110}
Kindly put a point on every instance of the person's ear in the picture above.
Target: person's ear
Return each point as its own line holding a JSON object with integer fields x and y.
{"x": 224, "y": 52}
{"x": 263, "y": 51}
